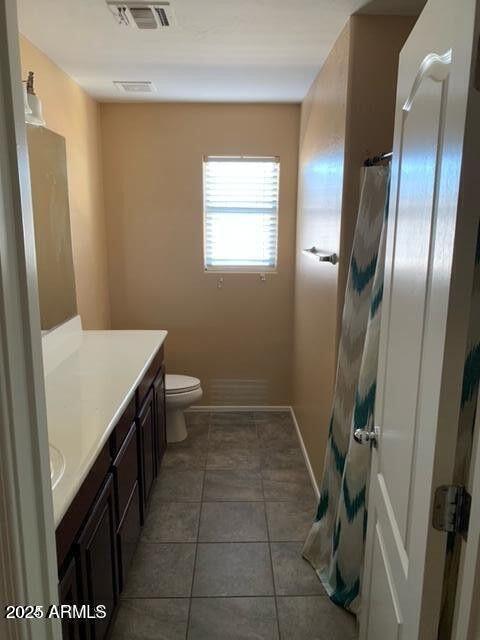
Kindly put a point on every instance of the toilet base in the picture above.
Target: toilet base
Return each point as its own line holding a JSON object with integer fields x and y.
{"x": 177, "y": 403}
{"x": 176, "y": 426}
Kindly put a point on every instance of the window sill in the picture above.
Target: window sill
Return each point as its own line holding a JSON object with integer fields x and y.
{"x": 245, "y": 270}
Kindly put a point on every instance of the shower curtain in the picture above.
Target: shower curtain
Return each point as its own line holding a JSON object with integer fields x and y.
{"x": 335, "y": 544}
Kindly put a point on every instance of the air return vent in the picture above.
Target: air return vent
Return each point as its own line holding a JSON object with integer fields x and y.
{"x": 143, "y": 15}
{"x": 134, "y": 86}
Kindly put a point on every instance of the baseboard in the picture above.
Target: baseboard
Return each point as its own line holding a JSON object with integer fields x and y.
{"x": 269, "y": 408}
{"x": 229, "y": 407}
{"x": 313, "y": 480}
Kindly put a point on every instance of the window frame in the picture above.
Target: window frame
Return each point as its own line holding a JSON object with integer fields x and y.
{"x": 252, "y": 269}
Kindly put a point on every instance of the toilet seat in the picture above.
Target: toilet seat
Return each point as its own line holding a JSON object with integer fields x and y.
{"x": 175, "y": 384}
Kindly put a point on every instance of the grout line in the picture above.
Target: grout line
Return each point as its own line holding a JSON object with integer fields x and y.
{"x": 251, "y": 447}
{"x": 271, "y": 563}
{"x": 296, "y": 500}
{"x": 218, "y": 542}
{"x": 187, "y": 631}
{"x": 241, "y": 408}
{"x": 228, "y": 597}
{"x": 194, "y": 542}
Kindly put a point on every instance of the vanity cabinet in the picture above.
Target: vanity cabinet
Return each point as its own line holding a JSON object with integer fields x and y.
{"x": 128, "y": 534}
{"x": 160, "y": 413}
{"x": 147, "y": 427}
{"x": 98, "y": 557}
{"x": 98, "y": 535}
{"x": 127, "y": 498}
{"x": 69, "y": 593}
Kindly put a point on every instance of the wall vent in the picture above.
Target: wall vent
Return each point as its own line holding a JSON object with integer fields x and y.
{"x": 134, "y": 86}
{"x": 143, "y": 15}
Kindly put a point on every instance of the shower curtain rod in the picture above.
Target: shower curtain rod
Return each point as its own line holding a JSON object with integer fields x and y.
{"x": 383, "y": 157}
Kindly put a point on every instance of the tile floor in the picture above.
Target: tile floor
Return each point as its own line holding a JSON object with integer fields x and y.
{"x": 219, "y": 557}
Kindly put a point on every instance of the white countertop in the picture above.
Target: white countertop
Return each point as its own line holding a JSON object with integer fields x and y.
{"x": 90, "y": 376}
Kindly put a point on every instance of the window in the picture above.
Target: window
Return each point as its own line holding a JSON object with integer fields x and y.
{"x": 241, "y": 213}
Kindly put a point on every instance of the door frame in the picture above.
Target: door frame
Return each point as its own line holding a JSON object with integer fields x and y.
{"x": 28, "y": 566}
{"x": 466, "y": 618}
{"x": 455, "y": 351}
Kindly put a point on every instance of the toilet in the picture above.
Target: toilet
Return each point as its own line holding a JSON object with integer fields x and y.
{"x": 180, "y": 393}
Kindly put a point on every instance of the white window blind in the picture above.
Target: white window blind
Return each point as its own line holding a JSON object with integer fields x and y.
{"x": 241, "y": 213}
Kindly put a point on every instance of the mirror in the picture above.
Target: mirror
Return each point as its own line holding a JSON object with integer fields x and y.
{"x": 51, "y": 214}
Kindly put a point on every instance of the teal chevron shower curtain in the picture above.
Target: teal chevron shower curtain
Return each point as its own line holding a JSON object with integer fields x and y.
{"x": 335, "y": 544}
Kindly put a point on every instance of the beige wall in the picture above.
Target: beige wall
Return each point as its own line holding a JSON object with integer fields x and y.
{"x": 237, "y": 339}
{"x": 347, "y": 116}
{"x": 371, "y": 111}
{"x": 319, "y": 216}
{"x": 70, "y": 112}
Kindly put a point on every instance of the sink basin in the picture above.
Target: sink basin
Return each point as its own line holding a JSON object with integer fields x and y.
{"x": 57, "y": 465}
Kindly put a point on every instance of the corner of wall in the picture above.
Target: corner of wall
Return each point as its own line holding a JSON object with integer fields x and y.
{"x": 322, "y": 143}
{"x": 108, "y": 301}
{"x": 375, "y": 44}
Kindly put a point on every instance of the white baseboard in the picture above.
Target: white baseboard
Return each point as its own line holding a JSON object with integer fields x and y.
{"x": 269, "y": 408}
{"x": 313, "y": 480}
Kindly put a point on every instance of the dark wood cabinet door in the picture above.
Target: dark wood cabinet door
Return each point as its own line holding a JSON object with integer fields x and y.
{"x": 161, "y": 432}
{"x": 98, "y": 557}
{"x": 146, "y": 427}
{"x": 128, "y": 534}
{"x": 125, "y": 467}
{"x": 69, "y": 593}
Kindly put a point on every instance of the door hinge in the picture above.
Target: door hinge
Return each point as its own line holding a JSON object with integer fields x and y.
{"x": 477, "y": 68}
{"x": 451, "y": 509}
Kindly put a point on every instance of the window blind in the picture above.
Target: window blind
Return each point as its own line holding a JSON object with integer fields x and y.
{"x": 241, "y": 213}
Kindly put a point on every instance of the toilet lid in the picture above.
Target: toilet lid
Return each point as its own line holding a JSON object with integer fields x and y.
{"x": 180, "y": 384}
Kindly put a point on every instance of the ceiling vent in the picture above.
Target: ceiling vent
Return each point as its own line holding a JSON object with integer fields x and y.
{"x": 143, "y": 15}
{"x": 134, "y": 86}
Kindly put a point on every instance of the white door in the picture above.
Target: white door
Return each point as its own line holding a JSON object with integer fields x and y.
{"x": 433, "y": 220}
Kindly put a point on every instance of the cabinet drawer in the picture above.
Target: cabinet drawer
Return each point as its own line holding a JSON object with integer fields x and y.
{"x": 147, "y": 380}
{"x": 128, "y": 535}
{"x": 122, "y": 428}
{"x": 126, "y": 471}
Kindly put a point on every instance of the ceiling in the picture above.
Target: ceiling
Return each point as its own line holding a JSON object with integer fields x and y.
{"x": 220, "y": 50}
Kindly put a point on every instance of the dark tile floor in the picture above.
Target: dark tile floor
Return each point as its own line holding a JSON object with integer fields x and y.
{"x": 220, "y": 554}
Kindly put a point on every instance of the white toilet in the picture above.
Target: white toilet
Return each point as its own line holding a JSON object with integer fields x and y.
{"x": 180, "y": 393}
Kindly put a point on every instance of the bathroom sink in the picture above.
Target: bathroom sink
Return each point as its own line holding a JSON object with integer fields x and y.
{"x": 57, "y": 465}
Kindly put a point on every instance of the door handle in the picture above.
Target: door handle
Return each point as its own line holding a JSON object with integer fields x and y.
{"x": 367, "y": 436}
